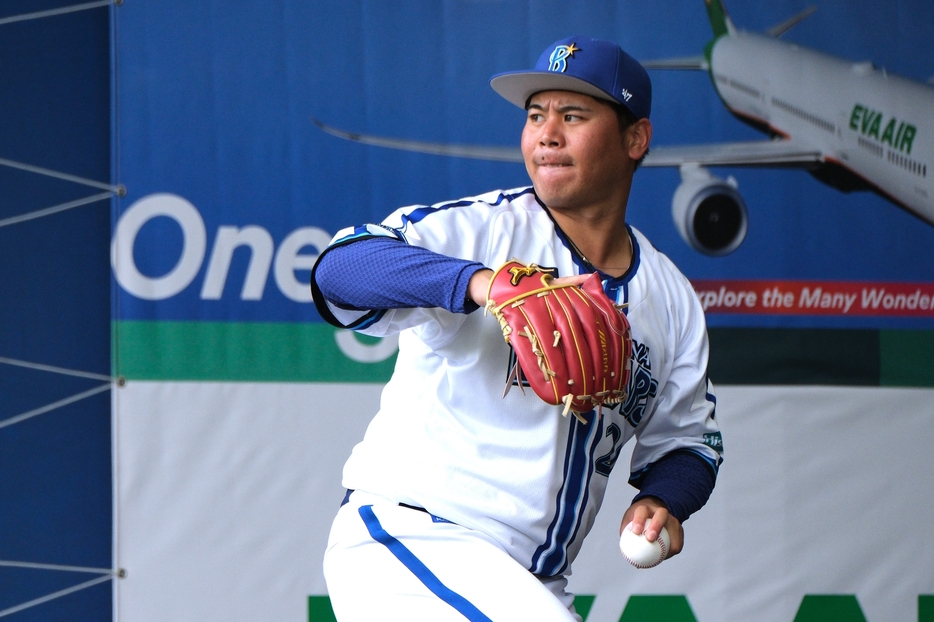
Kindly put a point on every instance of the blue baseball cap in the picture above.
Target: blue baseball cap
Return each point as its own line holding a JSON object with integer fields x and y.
{"x": 597, "y": 68}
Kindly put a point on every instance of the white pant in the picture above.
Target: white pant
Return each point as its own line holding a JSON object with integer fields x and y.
{"x": 389, "y": 562}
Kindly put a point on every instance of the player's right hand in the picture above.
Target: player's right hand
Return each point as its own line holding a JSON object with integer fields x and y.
{"x": 649, "y": 515}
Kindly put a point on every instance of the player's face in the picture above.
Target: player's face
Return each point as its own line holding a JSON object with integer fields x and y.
{"x": 574, "y": 151}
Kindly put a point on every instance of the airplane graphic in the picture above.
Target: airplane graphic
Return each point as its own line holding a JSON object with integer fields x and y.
{"x": 852, "y": 125}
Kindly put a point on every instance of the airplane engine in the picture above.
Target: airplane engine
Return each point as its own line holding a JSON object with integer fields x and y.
{"x": 709, "y": 212}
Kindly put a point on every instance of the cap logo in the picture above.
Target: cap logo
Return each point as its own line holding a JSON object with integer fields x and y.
{"x": 558, "y": 61}
{"x": 626, "y": 94}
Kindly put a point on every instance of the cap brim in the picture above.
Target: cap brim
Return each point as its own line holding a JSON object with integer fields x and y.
{"x": 516, "y": 87}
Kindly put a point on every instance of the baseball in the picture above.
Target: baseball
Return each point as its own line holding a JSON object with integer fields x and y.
{"x": 640, "y": 552}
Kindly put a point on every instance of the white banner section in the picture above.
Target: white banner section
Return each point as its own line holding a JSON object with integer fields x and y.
{"x": 225, "y": 494}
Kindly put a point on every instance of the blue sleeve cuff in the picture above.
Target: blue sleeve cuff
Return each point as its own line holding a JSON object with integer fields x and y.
{"x": 682, "y": 480}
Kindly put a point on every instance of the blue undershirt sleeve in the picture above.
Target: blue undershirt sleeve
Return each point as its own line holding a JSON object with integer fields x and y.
{"x": 386, "y": 273}
{"x": 682, "y": 480}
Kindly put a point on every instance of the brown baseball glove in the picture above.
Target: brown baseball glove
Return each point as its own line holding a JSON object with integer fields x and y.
{"x": 572, "y": 343}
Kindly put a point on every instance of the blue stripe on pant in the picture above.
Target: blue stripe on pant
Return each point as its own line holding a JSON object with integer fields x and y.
{"x": 419, "y": 569}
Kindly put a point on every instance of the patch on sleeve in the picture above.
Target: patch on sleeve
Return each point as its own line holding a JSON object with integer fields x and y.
{"x": 714, "y": 440}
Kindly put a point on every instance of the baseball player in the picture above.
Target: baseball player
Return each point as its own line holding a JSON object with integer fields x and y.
{"x": 462, "y": 502}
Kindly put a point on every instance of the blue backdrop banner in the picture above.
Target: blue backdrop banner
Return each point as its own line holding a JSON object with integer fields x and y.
{"x": 233, "y": 189}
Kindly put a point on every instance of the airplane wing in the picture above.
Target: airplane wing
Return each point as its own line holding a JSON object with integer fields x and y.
{"x": 765, "y": 153}
{"x": 476, "y": 152}
{"x": 774, "y": 153}
{"x": 682, "y": 62}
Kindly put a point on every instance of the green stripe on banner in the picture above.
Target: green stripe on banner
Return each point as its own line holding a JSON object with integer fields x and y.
{"x": 829, "y": 608}
{"x": 794, "y": 356}
{"x": 907, "y": 358}
{"x": 309, "y": 352}
{"x": 583, "y": 604}
{"x": 245, "y": 352}
{"x": 782, "y": 356}
{"x": 319, "y": 609}
{"x": 925, "y": 608}
{"x": 658, "y": 608}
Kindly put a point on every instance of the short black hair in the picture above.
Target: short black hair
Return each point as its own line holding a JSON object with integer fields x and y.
{"x": 626, "y": 119}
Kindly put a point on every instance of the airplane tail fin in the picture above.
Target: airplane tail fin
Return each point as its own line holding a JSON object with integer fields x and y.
{"x": 719, "y": 19}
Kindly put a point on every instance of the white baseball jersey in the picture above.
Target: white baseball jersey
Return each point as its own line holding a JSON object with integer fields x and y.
{"x": 513, "y": 467}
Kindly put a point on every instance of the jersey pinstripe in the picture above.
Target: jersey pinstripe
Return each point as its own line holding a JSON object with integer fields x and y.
{"x": 445, "y": 439}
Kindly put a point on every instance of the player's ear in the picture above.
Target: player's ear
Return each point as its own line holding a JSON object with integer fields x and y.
{"x": 638, "y": 137}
